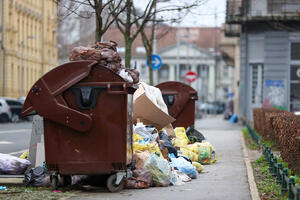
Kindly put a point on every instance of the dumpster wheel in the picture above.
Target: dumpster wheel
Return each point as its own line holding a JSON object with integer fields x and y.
{"x": 111, "y": 186}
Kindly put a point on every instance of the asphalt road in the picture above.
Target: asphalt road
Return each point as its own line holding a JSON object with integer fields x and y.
{"x": 14, "y": 137}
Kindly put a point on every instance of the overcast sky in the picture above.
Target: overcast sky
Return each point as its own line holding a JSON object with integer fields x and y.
{"x": 200, "y": 16}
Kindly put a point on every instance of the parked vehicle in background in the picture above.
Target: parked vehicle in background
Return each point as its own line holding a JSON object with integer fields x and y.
{"x": 10, "y": 109}
{"x": 212, "y": 108}
{"x": 5, "y": 111}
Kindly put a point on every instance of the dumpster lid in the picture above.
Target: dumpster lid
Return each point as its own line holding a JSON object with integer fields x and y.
{"x": 182, "y": 93}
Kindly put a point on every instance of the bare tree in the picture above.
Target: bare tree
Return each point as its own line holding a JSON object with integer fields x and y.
{"x": 148, "y": 38}
{"x": 127, "y": 24}
{"x": 101, "y": 9}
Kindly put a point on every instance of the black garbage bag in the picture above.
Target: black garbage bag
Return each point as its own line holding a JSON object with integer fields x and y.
{"x": 194, "y": 135}
{"x": 167, "y": 143}
{"x": 37, "y": 177}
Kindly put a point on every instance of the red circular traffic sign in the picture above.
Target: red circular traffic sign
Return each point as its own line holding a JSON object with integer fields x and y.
{"x": 190, "y": 76}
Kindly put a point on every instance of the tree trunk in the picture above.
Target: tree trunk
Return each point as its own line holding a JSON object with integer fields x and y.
{"x": 98, "y": 34}
{"x": 128, "y": 45}
{"x": 149, "y": 58}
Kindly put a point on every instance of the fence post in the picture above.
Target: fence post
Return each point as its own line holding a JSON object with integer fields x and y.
{"x": 284, "y": 183}
{"x": 271, "y": 163}
{"x": 298, "y": 193}
{"x": 279, "y": 170}
{"x": 291, "y": 185}
{"x": 274, "y": 170}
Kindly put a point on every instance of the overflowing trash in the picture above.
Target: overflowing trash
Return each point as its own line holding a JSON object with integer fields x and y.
{"x": 12, "y": 165}
{"x": 37, "y": 177}
{"x": 173, "y": 157}
{"x": 162, "y": 155}
{"x": 105, "y": 53}
{"x": 141, "y": 179}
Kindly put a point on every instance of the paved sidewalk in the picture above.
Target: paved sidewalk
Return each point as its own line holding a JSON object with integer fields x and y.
{"x": 226, "y": 179}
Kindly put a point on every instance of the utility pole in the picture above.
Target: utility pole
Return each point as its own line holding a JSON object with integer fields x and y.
{"x": 3, "y": 47}
{"x": 215, "y": 56}
{"x": 178, "y": 52}
{"x": 21, "y": 68}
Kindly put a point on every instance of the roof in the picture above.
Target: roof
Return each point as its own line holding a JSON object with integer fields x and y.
{"x": 202, "y": 37}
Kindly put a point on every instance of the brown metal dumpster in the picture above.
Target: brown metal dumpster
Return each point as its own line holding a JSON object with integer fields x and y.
{"x": 87, "y": 121}
{"x": 180, "y": 99}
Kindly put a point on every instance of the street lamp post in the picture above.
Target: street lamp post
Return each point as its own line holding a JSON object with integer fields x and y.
{"x": 21, "y": 63}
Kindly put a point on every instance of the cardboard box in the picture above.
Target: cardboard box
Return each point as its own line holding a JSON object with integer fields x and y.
{"x": 147, "y": 112}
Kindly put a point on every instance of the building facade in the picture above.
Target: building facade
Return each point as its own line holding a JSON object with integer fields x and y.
{"x": 269, "y": 53}
{"x": 28, "y": 43}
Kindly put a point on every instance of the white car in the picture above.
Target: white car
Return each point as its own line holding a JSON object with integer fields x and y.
{"x": 5, "y": 111}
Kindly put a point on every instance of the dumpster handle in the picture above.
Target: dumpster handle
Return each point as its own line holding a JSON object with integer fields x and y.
{"x": 109, "y": 91}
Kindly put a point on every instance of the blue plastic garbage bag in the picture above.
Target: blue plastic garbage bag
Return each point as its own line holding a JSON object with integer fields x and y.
{"x": 233, "y": 119}
{"x": 184, "y": 166}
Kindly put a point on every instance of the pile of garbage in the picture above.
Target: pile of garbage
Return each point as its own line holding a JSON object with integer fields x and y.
{"x": 161, "y": 154}
{"x": 105, "y": 53}
{"x": 170, "y": 156}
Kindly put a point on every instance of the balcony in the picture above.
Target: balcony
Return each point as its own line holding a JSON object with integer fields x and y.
{"x": 241, "y": 11}
{"x": 232, "y": 30}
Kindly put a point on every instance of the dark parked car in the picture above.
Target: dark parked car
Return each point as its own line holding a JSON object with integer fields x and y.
{"x": 13, "y": 109}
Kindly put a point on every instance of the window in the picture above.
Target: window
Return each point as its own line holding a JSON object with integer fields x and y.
{"x": 295, "y": 51}
{"x": 163, "y": 72}
{"x": 257, "y": 83}
{"x": 140, "y": 50}
{"x": 295, "y": 88}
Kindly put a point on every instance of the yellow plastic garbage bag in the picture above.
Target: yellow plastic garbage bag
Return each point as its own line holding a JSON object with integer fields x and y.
{"x": 139, "y": 145}
{"x": 181, "y": 139}
{"x": 206, "y": 152}
{"x": 198, "y": 166}
{"x": 193, "y": 156}
{"x": 137, "y": 138}
{"x": 25, "y": 155}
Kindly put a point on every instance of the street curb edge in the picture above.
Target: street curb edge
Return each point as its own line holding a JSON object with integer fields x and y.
{"x": 252, "y": 185}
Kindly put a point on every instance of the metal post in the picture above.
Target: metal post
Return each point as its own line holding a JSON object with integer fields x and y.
{"x": 178, "y": 52}
{"x": 284, "y": 183}
{"x": 279, "y": 171}
{"x": 298, "y": 193}
{"x": 291, "y": 185}
{"x": 21, "y": 68}
{"x": 274, "y": 170}
{"x": 3, "y": 47}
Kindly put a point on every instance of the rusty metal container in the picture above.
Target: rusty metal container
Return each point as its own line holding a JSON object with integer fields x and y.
{"x": 180, "y": 99}
{"x": 87, "y": 121}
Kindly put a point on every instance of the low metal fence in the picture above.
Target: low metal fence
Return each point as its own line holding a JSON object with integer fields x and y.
{"x": 255, "y": 137}
{"x": 276, "y": 169}
{"x": 281, "y": 175}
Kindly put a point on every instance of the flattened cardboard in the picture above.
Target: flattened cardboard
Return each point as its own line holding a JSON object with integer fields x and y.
{"x": 170, "y": 131}
{"x": 147, "y": 112}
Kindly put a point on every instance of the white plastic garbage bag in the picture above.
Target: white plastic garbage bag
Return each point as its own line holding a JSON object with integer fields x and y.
{"x": 145, "y": 132}
{"x": 154, "y": 94}
{"x": 160, "y": 170}
{"x": 12, "y": 165}
{"x": 184, "y": 166}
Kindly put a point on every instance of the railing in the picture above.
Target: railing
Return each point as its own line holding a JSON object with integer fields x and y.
{"x": 246, "y": 10}
{"x": 281, "y": 175}
{"x": 255, "y": 137}
{"x": 276, "y": 169}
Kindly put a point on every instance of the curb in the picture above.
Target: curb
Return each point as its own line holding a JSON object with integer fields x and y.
{"x": 253, "y": 189}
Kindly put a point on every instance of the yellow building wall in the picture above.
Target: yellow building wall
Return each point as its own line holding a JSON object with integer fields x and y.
{"x": 31, "y": 23}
